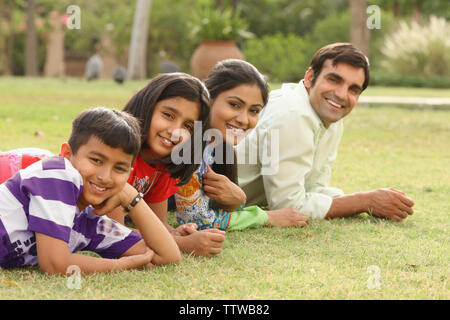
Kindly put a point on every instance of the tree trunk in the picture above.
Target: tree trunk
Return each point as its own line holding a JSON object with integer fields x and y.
{"x": 417, "y": 15}
{"x": 359, "y": 33}
{"x": 6, "y": 10}
{"x": 31, "y": 59}
{"x": 138, "y": 46}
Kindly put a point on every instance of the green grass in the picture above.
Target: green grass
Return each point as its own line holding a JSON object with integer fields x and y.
{"x": 381, "y": 147}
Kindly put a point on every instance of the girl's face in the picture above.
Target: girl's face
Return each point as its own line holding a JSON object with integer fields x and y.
{"x": 236, "y": 111}
{"x": 170, "y": 115}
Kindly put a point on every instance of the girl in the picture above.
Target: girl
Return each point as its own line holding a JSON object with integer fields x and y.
{"x": 212, "y": 198}
{"x": 169, "y": 104}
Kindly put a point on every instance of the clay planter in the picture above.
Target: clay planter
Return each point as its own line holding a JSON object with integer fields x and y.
{"x": 211, "y": 52}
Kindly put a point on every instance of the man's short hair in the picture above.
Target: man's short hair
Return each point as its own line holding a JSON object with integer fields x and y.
{"x": 116, "y": 129}
{"x": 340, "y": 52}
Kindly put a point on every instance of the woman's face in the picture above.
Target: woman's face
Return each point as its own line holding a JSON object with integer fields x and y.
{"x": 172, "y": 123}
{"x": 236, "y": 111}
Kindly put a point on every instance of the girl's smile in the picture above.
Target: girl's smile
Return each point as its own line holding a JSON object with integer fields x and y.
{"x": 172, "y": 122}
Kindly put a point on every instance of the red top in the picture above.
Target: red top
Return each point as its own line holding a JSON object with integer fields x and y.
{"x": 156, "y": 184}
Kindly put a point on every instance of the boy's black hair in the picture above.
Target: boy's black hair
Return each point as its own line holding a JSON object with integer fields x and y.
{"x": 166, "y": 86}
{"x": 116, "y": 129}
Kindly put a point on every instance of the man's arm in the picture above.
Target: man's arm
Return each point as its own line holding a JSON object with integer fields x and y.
{"x": 386, "y": 203}
{"x": 284, "y": 182}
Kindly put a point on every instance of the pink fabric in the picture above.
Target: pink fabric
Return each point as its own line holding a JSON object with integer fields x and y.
{"x": 10, "y": 163}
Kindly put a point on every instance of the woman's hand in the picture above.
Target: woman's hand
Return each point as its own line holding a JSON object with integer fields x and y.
{"x": 221, "y": 189}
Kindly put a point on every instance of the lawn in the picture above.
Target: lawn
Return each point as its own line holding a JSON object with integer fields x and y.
{"x": 381, "y": 147}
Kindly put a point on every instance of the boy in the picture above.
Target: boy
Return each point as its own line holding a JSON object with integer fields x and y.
{"x": 46, "y": 210}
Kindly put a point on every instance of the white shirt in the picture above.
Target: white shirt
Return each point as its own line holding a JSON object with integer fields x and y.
{"x": 299, "y": 170}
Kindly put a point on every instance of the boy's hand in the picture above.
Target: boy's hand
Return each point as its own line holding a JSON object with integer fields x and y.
{"x": 221, "y": 189}
{"x": 123, "y": 198}
{"x": 107, "y": 206}
{"x": 136, "y": 261}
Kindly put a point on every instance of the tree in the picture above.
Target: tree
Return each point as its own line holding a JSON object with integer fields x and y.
{"x": 31, "y": 58}
{"x": 359, "y": 33}
{"x": 138, "y": 44}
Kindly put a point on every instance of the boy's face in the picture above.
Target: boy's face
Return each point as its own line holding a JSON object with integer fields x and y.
{"x": 172, "y": 123}
{"x": 104, "y": 170}
{"x": 335, "y": 91}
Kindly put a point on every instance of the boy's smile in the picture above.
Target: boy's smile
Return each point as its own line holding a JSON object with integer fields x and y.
{"x": 104, "y": 170}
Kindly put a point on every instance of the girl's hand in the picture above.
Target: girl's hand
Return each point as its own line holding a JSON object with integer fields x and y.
{"x": 221, "y": 189}
{"x": 184, "y": 229}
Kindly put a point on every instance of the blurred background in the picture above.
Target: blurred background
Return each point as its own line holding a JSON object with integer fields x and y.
{"x": 407, "y": 41}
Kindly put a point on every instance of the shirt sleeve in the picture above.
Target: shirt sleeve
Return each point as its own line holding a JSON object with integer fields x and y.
{"x": 53, "y": 201}
{"x": 284, "y": 172}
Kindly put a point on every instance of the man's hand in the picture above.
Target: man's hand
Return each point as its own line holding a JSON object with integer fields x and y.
{"x": 390, "y": 203}
{"x": 221, "y": 189}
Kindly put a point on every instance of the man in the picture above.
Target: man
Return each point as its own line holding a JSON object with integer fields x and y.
{"x": 307, "y": 119}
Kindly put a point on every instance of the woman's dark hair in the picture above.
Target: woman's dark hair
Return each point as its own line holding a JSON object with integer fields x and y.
{"x": 231, "y": 73}
{"x": 340, "y": 52}
{"x": 226, "y": 75}
{"x": 116, "y": 129}
{"x": 166, "y": 86}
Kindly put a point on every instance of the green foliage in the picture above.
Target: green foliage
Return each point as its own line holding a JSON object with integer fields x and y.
{"x": 416, "y": 49}
{"x": 269, "y": 17}
{"x": 336, "y": 27}
{"x": 380, "y": 78}
{"x": 281, "y": 57}
{"x": 209, "y": 23}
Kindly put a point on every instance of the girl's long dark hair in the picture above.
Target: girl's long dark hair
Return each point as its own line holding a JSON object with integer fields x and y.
{"x": 165, "y": 86}
{"x": 226, "y": 75}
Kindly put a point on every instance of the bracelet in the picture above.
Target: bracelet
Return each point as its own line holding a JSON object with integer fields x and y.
{"x": 134, "y": 202}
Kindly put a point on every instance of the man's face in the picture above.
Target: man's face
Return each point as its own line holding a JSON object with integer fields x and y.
{"x": 104, "y": 170}
{"x": 335, "y": 91}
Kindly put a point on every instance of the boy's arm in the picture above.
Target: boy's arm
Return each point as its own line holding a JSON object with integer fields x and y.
{"x": 160, "y": 209}
{"x": 54, "y": 257}
{"x": 153, "y": 231}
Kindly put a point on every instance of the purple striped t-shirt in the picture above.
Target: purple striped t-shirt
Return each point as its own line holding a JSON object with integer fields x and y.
{"x": 43, "y": 198}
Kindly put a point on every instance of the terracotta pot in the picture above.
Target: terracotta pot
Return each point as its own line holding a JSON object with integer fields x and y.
{"x": 209, "y": 53}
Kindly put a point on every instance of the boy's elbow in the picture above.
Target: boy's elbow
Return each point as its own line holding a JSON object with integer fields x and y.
{"x": 53, "y": 268}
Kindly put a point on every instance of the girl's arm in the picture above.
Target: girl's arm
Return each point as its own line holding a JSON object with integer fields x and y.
{"x": 54, "y": 257}
{"x": 153, "y": 231}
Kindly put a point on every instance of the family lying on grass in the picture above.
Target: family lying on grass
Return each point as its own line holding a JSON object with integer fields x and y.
{"x": 125, "y": 163}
